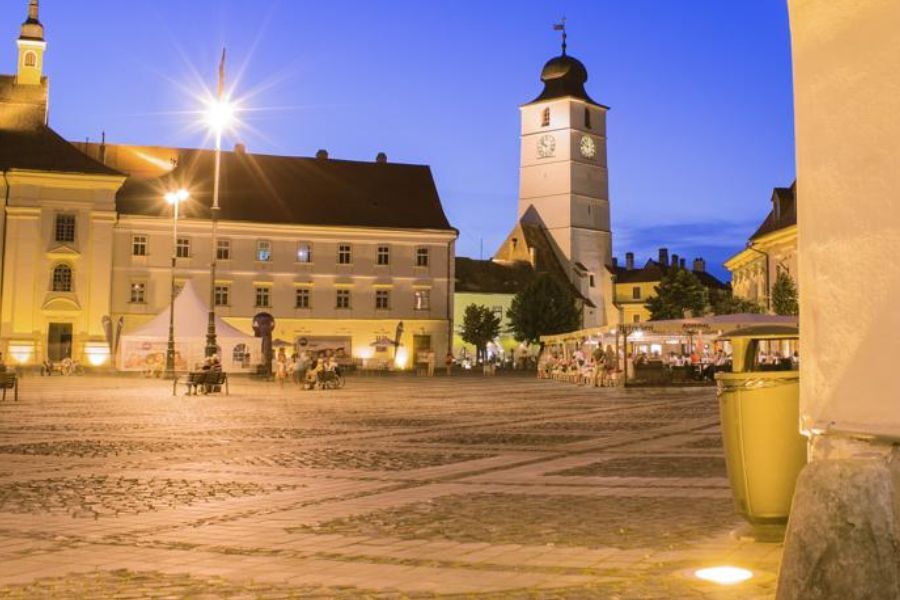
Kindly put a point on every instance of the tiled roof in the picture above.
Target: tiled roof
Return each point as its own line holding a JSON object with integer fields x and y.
{"x": 781, "y": 216}
{"x": 490, "y": 277}
{"x": 42, "y": 149}
{"x": 652, "y": 272}
{"x": 287, "y": 189}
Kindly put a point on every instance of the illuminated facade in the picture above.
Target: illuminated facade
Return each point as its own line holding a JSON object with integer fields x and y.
{"x": 771, "y": 249}
{"x": 338, "y": 252}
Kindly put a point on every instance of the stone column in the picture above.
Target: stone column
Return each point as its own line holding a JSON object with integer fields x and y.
{"x": 843, "y": 536}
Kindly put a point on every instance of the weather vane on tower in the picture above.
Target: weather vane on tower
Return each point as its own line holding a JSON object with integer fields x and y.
{"x": 561, "y": 26}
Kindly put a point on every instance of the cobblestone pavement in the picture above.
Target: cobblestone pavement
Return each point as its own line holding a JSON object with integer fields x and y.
{"x": 394, "y": 487}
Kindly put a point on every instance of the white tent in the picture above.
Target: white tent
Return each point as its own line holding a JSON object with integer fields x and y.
{"x": 144, "y": 347}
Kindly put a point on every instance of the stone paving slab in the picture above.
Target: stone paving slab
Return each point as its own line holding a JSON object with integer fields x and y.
{"x": 278, "y": 493}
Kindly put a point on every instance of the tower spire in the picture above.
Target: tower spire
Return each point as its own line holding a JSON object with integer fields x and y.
{"x": 561, "y": 26}
{"x": 33, "y": 10}
{"x": 32, "y": 28}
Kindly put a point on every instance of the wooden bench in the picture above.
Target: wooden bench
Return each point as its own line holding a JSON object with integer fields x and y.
{"x": 9, "y": 381}
{"x": 210, "y": 381}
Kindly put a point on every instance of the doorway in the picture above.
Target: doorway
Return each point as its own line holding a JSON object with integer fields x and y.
{"x": 59, "y": 341}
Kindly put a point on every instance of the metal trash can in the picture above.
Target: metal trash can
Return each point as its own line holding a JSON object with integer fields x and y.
{"x": 759, "y": 410}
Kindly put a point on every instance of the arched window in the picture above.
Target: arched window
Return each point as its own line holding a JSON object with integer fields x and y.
{"x": 545, "y": 118}
{"x": 30, "y": 59}
{"x": 62, "y": 278}
{"x": 587, "y": 117}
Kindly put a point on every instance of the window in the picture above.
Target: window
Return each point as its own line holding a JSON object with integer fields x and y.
{"x": 382, "y": 299}
{"x": 30, "y": 59}
{"x": 421, "y": 257}
{"x": 137, "y": 293}
{"x": 545, "y": 118}
{"x": 304, "y": 252}
{"x": 344, "y": 254}
{"x": 498, "y": 311}
{"x": 183, "y": 248}
{"x": 238, "y": 353}
{"x": 263, "y": 295}
{"x": 342, "y": 299}
{"x": 221, "y": 295}
{"x": 62, "y": 278}
{"x": 384, "y": 255}
{"x": 65, "y": 228}
{"x": 139, "y": 245}
{"x": 636, "y": 293}
{"x": 223, "y": 249}
{"x": 591, "y": 280}
{"x": 263, "y": 250}
{"x": 301, "y": 298}
{"x": 422, "y": 299}
{"x": 636, "y": 318}
{"x": 587, "y": 117}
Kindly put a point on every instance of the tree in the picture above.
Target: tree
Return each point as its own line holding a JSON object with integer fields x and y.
{"x": 784, "y": 295}
{"x": 678, "y": 292}
{"x": 543, "y": 307}
{"x": 480, "y": 325}
{"x": 725, "y": 303}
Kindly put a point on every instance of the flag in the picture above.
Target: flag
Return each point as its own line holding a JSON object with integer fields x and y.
{"x": 221, "y": 89}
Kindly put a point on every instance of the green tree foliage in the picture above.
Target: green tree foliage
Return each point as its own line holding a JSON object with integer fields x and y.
{"x": 678, "y": 292}
{"x": 725, "y": 303}
{"x": 784, "y": 295}
{"x": 480, "y": 325}
{"x": 543, "y": 307}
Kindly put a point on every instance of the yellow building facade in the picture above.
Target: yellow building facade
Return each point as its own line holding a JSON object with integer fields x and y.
{"x": 772, "y": 249}
{"x": 346, "y": 253}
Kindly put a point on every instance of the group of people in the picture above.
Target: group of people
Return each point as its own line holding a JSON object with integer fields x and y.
{"x": 199, "y": 379}
{"x": 599, "y": 368}
{"x": 304, "y": 369}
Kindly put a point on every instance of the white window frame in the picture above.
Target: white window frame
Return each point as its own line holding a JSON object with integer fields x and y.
{"x": 342, "y": 299}
{"x": 263, "y": 292}
{"x": 383, "y": 255}
{"x": 183, "y": 247}
{"x": 309, "y": 252}
{"x": 382, "y": 300}
{"x": 137, "y": 292}
{"x": 345, "y": 254}
{"x": 423, "y": 257}
{"x": 223, "y": 249}
{"x": 222, "y": 294}
{"x": 305, "y": 294}
{"x": 139, "y": 240}
{"x": 422, "y": 299}
{"x": 263, "y": 251}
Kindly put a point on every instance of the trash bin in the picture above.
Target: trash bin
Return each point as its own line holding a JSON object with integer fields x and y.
{"x": 759, "y": 409}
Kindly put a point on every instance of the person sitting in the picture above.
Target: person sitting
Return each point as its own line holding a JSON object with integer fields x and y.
{"x": 312, "y": 374}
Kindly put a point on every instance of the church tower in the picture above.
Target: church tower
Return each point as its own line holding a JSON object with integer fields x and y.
{"x": 31, "y": 48}
{"x": 563, "y": 179}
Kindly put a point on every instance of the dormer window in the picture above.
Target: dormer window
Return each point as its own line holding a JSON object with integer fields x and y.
{"x": 30, "y": 59}
{"x": 587, "y": 118}
{"x": 545, "y": 118}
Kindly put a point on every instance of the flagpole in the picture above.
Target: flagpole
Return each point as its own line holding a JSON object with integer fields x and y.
{"x": 211, "y": 345}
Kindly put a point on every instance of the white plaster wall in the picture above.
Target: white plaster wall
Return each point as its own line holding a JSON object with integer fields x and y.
{"x": 846, "y": 59}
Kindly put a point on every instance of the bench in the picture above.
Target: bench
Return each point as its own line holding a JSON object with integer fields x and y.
{"x": 9, "y": 381}
{"x": 210, "y": 381}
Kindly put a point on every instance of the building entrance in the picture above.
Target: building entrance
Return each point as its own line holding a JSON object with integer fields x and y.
{"x": 59, "y": 341}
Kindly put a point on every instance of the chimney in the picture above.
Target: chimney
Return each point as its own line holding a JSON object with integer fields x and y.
{"x": 615, "y": 263}
{"x": 663, "y": 257}
{"x": 682, "y": 263}
{"x": 699, "y": 265}
{"x": 629, "y": 261}
{"x": 674, "y": 261}
{"x": 381, "y": 157}
{"x": 322, "y": 154}
{"x": 102, "y": 156}
{"x": 776, "y": 204}
{"x": 240, "y": 148}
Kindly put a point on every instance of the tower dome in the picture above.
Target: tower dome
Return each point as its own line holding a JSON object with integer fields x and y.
{"x": 32, "y": 29}
{"x": 564, "y": 76}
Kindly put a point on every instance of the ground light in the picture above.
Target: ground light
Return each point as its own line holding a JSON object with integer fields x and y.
{"x": 724, "y": 575}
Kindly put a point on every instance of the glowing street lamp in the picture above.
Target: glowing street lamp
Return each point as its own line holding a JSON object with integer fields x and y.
{"x": 175, "y": 199}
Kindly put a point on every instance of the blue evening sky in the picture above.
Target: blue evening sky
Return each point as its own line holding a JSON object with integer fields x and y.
{"x": 700, "y": 130}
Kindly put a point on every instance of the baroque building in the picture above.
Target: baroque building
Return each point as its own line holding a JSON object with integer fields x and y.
{"x": 340, "y": 253}
{"x": 772, "y": 249}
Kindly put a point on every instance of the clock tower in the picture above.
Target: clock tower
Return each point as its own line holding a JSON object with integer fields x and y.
{"x": 563, "y": 178}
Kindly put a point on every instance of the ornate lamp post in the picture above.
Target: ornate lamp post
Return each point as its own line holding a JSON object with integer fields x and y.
{"x": 175, "y": 199}
{"x": 219, "y": 116}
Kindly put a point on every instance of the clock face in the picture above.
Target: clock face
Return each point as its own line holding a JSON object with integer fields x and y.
{"x": 546, "y": 146}
{"x": 587, "y": 147}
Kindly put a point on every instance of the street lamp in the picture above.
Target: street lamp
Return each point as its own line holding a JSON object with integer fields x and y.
{"x": 219, "y": 116}
{"x": 175, "y": 199}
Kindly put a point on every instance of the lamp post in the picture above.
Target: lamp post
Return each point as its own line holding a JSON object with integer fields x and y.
{"x": 175, "y": 199}
{"x": 218, "y": 116}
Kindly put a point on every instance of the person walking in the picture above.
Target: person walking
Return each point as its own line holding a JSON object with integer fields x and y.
{"x": 281, "y": 367}
{"x": 448, "y": 362}
{"x": 610, "y": 365}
